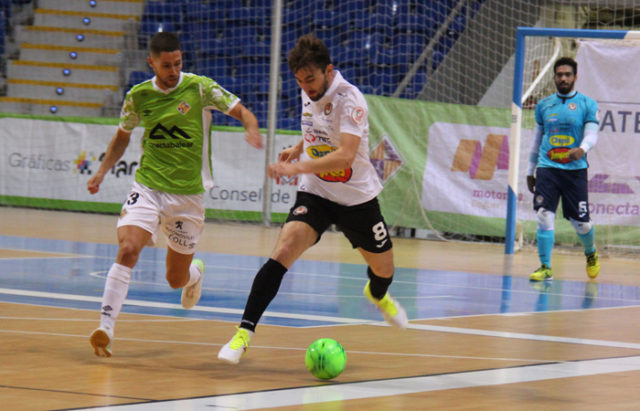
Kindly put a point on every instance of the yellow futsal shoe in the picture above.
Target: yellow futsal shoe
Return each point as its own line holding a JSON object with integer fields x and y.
{"x": 232, "y": 351}
{"x": 541, "y": 274}
{"x": 593, "y": 265}
{"x": 100, "y": 340}
{"x": 391, "y": 310}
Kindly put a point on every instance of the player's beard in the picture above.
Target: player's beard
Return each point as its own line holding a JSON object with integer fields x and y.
{"x": 321, "y": 93}
{"x": 168, "y": 82}
{"x": 564, "y": 87}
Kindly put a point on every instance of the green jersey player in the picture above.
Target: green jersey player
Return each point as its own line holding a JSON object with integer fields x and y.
{"x": 174, "y": 172}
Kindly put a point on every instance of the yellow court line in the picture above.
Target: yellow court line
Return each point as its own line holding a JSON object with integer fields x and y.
{"x": 78, "y": 31}
{"x": 90, "y": 14}
{"x": 68, "y": 48}
{"x": 49, "y": 102}
{"x": 61, "y": 84}
{"x": 63, "y": 65}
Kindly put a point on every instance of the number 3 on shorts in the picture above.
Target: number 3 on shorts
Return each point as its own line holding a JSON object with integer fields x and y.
{"x": 379, "y": 231}
{"x": 133, "y": 198}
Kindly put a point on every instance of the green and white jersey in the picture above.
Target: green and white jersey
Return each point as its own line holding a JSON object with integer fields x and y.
{"x": 176, "y": 146}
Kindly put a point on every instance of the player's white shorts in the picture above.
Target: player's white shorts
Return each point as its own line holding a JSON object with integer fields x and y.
{"x": 180, "y": 216}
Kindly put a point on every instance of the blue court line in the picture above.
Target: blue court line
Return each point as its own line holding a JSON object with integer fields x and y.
{"x": 312, "y": 293}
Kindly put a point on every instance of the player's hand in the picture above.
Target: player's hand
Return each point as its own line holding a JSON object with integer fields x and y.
{"x": 289, "y": 155}
{"x": 281, "y": 169}
{"x": 576, "y": 153}
{"x": 93, "y": 185}
{"x": 531, "y": 183}
{"x": 254, "y": 138}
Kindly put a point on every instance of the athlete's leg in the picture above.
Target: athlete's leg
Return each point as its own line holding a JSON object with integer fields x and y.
{"x": 545, "y": 203}
{"x": 178, "y": 269}
{"x": 295, "y": 237}
{"x": 545, "y": 235}
{"x": 131, "y": 241}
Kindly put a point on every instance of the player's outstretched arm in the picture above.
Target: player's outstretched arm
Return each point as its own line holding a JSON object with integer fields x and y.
{"x": 115, "y": 150}
{"x": 250, "y": 124}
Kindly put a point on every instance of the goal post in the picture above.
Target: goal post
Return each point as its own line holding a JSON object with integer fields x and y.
{"x": 522, "y": 34}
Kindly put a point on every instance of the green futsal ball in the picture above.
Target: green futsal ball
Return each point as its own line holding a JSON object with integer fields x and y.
{"x": 325, "y": 358}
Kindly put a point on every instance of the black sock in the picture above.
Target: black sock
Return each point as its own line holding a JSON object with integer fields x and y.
{"x": 264, "y": 289}
{"x": 378, "y": 285}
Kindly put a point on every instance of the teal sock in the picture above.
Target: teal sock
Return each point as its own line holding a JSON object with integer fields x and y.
{"x": 588, "y": 242}
{"x": 546, "y": 239}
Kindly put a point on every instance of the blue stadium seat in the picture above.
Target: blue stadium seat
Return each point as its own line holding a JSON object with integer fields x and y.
{"x": 150, "y": 27}
{"x": 136, "y": 77}
{"x": 248, "y": 15}
{"x": 457, "y": 26}
{"x": 438, "y": 56}
{"x": 163, "y": 11}
{"x": 240, "y": 36}
{"x": 412, "y": 23}
{"x": 409, "y": 46}
{"x": 332, "y": 38}
{"x": 294, "y": 17}
{"x": 325, "y": 19}
{"x": 288, "y": 123}
{"x": 353, "y": 5}
{"x": 211, "y": 47}
{"x": 215, "y": 68}
{"x": 199, "y": 11}
{"x": 415, "y": 85}
{"x": 258, "y": 49}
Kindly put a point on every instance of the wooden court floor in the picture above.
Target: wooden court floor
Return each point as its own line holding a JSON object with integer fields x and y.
{"x": 559, "y": 359}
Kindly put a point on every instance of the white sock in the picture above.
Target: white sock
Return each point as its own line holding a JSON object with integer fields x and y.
{"x": 115, "y": 291}
{"x": 194, "y": 275}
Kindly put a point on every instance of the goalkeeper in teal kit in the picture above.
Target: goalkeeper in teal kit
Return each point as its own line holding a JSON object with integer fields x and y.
{"x": 175, "y": 170}
{"x": 567, "y": 128}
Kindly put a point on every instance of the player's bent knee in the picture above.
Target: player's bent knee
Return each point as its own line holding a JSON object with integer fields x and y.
{"x": 545, "y": 219}
{"x": 581, "y": 227}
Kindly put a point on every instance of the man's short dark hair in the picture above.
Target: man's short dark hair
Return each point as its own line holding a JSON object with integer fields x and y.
{"x": 164, "y": 41}
{"x": 309, "y": 51}
{"x": 566, "y": 61}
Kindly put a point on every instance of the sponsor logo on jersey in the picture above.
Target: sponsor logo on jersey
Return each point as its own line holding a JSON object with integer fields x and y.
{"x": 559, "y": 155}
{"x": 159, "y": 132}
{"x": 338, "y": 176}
{"x": 184, "y": 107}
{"x": 328, "y": 108}
{"x": 572, "y": 106}
{"x": 357, "y": 115}
{"x": 560, "y": 140}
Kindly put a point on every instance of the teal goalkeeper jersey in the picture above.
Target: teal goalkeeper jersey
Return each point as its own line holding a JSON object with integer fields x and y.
{"x": 176, "y": 146}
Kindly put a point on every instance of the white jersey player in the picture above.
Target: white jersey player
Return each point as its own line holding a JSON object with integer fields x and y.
{"x": 338, "y": 186}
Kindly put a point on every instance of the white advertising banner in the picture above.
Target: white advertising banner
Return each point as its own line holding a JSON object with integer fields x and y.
{"x": 54, "y": 160}
{"x": 607, "y": 73}
{"x": 467, "y": 169}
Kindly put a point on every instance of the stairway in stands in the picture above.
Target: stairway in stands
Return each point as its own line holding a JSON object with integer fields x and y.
{"x": 72, "y": 59}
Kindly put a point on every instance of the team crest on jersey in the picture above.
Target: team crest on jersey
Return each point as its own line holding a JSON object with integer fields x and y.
{"x": 184, "y": 107}
{"x": 328, "y": 108}
{"x": 300, "y": 210}
{"x": 572, "y": 106}
{"x": 357, "y": 114}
